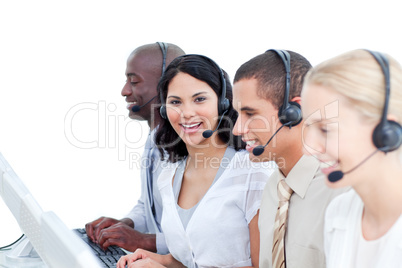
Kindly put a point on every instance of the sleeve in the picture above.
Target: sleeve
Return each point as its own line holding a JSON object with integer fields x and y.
{"x": 137, "y": 215}
{"x": 256, "y": 184}
{"x": 161, "y": 246}
{"x": 328, "y": 229}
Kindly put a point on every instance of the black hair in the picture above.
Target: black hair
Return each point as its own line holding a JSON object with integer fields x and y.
{"x": 204, "y": 69}
{"x": 269, "y": 70}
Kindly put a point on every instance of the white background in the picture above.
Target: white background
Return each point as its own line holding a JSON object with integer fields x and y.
{"x": 59, "y": 56}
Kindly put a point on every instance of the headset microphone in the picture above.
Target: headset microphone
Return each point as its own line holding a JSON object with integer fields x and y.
{"x": 337, "y": 175}
{"x": 387, "y": 135}
{"x": 260, "y": 149}
{"x": 289, "y": 113}
{"x": 208, "y": 133}
{"x": 137, "y": 108}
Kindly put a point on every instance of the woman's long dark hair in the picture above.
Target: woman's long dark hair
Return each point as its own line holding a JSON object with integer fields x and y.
{"x": 203, "y": 69}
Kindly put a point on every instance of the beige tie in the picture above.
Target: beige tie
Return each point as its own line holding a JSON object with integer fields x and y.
{"x": 278, "y": 247}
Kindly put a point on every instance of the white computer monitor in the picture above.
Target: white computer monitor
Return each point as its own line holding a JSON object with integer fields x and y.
{"x": 49, "y": 241}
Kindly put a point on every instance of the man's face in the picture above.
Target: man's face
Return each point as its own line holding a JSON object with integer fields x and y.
{"x": 257, "y": 121}
{"x": 141, "y": 85}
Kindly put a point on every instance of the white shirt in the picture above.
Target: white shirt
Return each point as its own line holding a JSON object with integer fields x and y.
{"x": 367, "y": 252}
{"x": 217, "y": 234}
{"x": 344, "y": 244}
{"x": 147, "y": 213}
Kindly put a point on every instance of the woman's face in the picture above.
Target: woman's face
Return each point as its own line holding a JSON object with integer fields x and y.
{"x": 192, "y": 108}
{"x": 336, "y": 134}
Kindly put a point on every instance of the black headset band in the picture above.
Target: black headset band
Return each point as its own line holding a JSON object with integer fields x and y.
{"x": 164, "y": 47}
{"x": 289, "y": 113}
{"x": 384, "y": 64}
{"x": 285, "y": 56}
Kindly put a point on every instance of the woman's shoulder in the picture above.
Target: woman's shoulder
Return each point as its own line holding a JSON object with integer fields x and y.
{"x": 344, "y": 200}
{"x": 344, "y": 207}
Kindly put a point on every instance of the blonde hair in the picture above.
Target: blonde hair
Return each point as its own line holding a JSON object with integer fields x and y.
{"x": 358, "y": 76}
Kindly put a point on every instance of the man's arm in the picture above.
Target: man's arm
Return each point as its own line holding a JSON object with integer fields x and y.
{"x": 108, "y": 231}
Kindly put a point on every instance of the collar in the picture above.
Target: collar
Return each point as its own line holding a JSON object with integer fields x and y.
{"x": 301, "y": 175}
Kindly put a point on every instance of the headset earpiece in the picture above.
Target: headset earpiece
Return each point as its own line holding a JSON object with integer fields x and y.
{"x": 223, "y": 102}
{"x": 223, "y": 105}
{"x": 388, "y": 138}
{"x": 387, "y": 135}
{"x": 291, "y": 115}
{"x": 290, "y": 112}
{"x": 164, "y": 48}
{"x": 162, "y": 111}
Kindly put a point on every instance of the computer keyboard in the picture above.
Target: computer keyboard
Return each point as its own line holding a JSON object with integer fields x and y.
{"x": 108, "y": 257}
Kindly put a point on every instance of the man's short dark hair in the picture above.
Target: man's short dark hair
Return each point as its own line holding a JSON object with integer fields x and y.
{"x": 269, "y": 70}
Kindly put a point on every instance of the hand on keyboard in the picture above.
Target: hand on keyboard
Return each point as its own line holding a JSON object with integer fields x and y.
{"x": 107, "y": 232}
{"x": 108, "y": 257}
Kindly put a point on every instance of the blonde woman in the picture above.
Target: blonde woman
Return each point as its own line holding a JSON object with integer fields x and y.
{"x": 353, "y": 109}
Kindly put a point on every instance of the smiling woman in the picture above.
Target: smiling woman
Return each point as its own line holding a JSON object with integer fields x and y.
{"x": 199, "y": 81}
{"x": 210, "y": 189}
{"x": 363, "y": 227}
{"x": 191, "y": 109}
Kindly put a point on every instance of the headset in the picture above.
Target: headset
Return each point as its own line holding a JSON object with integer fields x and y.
{"x": 223, "y": 102}
{"x": 387, "y": 135}
{"x": 164, "y": 48}
{"x": 290, "y": 112}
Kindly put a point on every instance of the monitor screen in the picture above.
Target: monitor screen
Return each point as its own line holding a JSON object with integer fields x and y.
{"x": 48, "y": 238}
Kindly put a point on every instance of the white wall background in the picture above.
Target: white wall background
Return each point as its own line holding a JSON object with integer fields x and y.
{"x": 55, "y": 55}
